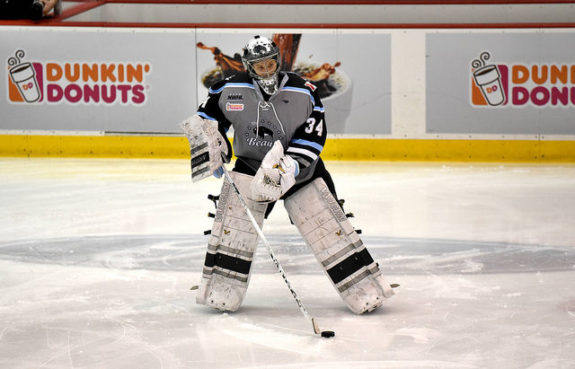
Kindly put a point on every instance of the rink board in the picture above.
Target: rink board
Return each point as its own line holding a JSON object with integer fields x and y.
{"x": 398, "y": 94}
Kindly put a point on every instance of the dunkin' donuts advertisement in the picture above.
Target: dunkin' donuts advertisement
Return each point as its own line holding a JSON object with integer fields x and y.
{"x": 95, "y": 80}
{"x": 519, "y": 84}
{"x": 148, "y": 81}
{"x": 486, "y": 83}
{"x": 354, "y": 81}
{"x": 76, "y": 82}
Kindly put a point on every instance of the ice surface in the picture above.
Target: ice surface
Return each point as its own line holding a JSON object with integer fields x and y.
{"x": 97, "y": 258}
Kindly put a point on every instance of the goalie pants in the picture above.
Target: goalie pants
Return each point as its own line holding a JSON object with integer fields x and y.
{"x": 314, "y": 209}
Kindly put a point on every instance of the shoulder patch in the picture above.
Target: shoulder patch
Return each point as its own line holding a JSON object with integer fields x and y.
{"x": 311, "y": 86}
{"x": 234, "y": 106}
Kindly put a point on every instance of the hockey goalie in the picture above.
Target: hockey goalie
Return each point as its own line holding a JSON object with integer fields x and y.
{"x": 279, "y": 133}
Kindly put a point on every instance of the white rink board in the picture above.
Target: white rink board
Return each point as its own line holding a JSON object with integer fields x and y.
{"x": 387, "y": 90}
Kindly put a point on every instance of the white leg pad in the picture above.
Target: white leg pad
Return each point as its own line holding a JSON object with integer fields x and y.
{"x": 338, "y": 248}
{"x": 231, "y": 248}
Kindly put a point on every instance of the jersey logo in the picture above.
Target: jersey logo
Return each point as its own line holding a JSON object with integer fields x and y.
{"x": 234, "y": 107}
{"x": 261, "y": 137}
{"x": 311, "y": 86}
{"x": 264, "y": 133}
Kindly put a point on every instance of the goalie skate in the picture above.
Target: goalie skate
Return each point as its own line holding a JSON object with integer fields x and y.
{"x": 231, "y": 248}
{"x": 337, "y": 246}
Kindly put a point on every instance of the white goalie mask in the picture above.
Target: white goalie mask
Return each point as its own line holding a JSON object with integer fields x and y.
{"x": 261, "y": 49}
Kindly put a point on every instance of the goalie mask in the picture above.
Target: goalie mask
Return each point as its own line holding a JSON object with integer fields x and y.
{"x": 261, "y": 61}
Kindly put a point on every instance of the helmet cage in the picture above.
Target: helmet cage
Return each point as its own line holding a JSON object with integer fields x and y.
{"x": 249, "y": 65}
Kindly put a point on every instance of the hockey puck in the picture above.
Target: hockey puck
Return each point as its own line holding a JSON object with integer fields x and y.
{"x": 327, "y": 334}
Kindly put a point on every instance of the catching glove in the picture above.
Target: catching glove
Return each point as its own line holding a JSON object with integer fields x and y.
{"x": 275, "y": 176}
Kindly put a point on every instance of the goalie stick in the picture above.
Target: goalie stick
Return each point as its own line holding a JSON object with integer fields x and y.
{"x": 276, "y": 262}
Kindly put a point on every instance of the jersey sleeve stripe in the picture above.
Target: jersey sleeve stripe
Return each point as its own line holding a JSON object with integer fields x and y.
{"x": 302, "y": 152}
{"x": 205, "y": 116}
{"x": 305, "y": 147}
{"x": 302, "y": 142}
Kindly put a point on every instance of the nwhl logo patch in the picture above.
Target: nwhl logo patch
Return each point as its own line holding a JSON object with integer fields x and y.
{"x": 235, "y": 97}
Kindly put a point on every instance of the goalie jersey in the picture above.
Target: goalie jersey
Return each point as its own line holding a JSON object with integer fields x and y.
{"x": 294, "y": 115}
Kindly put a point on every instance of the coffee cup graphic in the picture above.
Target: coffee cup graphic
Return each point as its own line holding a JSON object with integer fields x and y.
{"x": 24, "y": 77}
{"x": 488, "y": 79}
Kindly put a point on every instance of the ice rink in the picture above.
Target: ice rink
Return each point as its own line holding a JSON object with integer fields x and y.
{"x": 97, "y": 258}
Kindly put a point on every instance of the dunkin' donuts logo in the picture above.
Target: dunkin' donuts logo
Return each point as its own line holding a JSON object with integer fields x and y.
{"x": 76, "y": 82}
{"x": 519, "y": 85}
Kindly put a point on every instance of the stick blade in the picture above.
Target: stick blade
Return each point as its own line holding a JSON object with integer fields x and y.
{"x": 316, "y": 329}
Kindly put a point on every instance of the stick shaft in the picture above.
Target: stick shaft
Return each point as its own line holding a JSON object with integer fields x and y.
{"x": 271, "y": 252}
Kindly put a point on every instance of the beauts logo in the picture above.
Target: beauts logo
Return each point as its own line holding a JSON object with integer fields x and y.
{"x": 76, "y": 82}
{"x": 518, "y": 85}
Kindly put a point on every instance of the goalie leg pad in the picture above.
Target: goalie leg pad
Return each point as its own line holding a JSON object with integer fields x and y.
{"x": 231, "y": 248}
{"x": 337, "y": 246}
